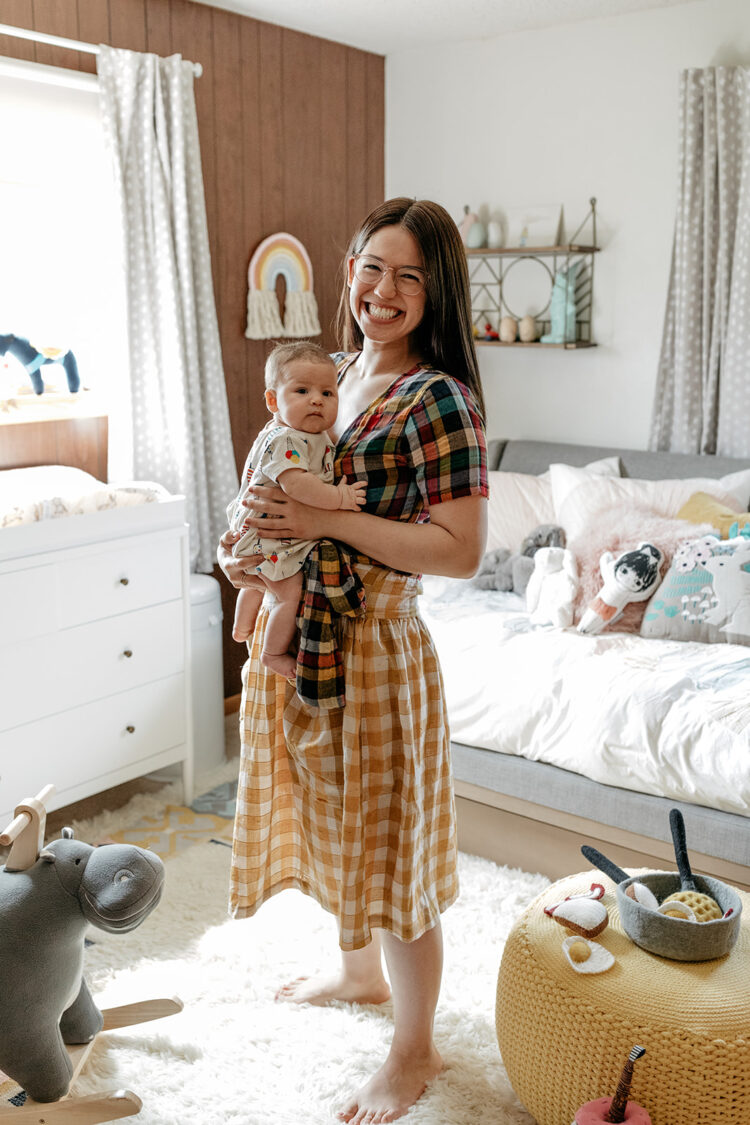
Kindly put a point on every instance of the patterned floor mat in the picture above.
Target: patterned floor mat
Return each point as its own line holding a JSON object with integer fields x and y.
{"x": 175, "y": 830}
{"x": 221, "y": 801}
{"x": 10, "y": 1092}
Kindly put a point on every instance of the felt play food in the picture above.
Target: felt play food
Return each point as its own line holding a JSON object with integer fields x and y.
{"x": 676, "y": 938}
{"x": 586, "y": 956}
{"x": 584, "y": 916}
{"x": 643, "y": 895}
{"x": 676, "y": 908}
{"x": 602, "y": 1111}
{"x": 703, "y": 906}
{"x": 596, "y": 891}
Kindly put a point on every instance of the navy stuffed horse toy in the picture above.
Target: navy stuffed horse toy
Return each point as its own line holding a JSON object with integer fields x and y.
{"x": 32, "y": 360}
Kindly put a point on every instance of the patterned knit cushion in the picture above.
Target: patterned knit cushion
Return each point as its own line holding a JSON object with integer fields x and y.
{"x": 705, "y": 595}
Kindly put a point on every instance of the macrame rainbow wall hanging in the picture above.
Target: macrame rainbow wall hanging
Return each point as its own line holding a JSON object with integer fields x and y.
{"x": 281, "y": 255}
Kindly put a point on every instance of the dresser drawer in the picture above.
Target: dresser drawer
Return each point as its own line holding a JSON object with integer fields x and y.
{"x": 104, "y": 583}
{"x": 76, "y": 666}
{"x": 90, "y": 742}
{"x": 27, "y": 604}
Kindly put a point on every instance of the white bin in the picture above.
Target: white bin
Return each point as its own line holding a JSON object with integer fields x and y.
{"x": 207, "y": 666}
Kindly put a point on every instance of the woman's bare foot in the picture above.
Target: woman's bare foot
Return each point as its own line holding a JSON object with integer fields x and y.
{"x": 281, "y": 663}
{"x": 338, "y": 986}
{"x": 393, "y": 1089}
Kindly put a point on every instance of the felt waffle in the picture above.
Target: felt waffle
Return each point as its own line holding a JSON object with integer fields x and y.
{"x": 703, "y": 906}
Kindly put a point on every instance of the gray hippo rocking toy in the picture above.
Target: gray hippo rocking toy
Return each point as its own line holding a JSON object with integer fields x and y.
{"x": 49, "y": 895}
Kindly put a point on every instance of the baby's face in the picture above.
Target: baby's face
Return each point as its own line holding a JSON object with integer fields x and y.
{"x": 307, "y": 396}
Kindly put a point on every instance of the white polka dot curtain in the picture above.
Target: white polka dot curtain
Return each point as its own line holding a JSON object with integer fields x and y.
{"x": 178, "y": 414}
{"x": 702, "y": 402}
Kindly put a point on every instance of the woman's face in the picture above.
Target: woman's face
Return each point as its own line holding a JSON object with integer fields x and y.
{"x": 384, "y": 314}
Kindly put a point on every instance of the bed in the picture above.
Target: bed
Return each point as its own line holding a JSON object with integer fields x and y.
{"x": 560, "y": 738}
{"x": 94, "y": 647}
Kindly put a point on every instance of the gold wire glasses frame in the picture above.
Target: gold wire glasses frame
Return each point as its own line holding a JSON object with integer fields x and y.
{"x": 409, "y": 280}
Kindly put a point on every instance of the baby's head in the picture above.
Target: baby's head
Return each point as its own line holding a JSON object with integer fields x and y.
{"x": 301, "y": 386}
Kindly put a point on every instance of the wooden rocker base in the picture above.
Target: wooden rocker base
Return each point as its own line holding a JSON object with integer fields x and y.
{"x": 94, "y": 1108}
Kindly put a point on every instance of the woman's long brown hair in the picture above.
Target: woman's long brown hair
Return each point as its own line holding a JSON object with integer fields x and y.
{"x": 444, "y": 336}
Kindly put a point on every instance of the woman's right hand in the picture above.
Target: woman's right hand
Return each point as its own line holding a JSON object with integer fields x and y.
{"x": 236, "y": 569}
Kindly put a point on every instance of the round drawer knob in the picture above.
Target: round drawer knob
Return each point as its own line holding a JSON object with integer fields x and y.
{"x": 128, "y": 652}
{"x": 130, "y": 730}
{"x": 124, "y": 581}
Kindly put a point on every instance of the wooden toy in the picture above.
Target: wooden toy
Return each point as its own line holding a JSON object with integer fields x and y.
{"x": 508, "y": 329}
{"x": 603, "y": 1111}
{"x": 48, "y": 1021}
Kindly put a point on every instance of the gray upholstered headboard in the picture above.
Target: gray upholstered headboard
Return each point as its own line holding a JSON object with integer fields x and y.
{"x": 537, "y": 456}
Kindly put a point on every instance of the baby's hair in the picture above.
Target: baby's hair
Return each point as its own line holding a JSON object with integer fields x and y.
{"x": 284, "y": 354}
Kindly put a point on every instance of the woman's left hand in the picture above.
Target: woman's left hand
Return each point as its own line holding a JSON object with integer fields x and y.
{"x": 285, "y": 518}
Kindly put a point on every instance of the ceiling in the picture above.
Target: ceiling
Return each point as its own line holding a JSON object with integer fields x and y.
{"x": 385, "y": 26}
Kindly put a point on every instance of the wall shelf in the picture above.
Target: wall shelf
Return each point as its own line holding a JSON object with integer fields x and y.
{"x": 488, "y": 279}
{"x": 480, "y": 343}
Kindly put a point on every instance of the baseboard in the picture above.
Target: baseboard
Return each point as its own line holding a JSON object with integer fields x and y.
{"x": 232, "y": 703}
{"x": 552, "y": 845}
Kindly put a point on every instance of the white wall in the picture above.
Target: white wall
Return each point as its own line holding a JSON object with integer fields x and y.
{"x": 556, "y": 116}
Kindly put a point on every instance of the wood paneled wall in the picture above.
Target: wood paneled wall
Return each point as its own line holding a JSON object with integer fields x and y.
{"x": 292, "y": 138}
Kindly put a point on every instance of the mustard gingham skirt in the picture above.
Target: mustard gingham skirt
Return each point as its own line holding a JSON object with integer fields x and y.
{"x": 353, "y": 806}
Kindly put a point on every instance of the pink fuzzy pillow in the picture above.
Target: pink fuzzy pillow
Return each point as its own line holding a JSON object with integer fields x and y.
{"x": 621, "y": 529}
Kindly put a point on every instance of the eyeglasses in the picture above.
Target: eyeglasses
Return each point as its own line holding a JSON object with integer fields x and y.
{"x": 408, "y": 280}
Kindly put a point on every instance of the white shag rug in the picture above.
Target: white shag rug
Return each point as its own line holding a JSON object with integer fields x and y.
{"x": 234, "y": 1055}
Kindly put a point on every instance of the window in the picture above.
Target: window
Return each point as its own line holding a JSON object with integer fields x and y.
{"x": 61, "y": 278}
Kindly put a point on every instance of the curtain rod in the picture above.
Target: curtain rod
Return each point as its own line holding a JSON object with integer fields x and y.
{"x": 70, "y": 44}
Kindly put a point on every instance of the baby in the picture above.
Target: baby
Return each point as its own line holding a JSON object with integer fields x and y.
{"x": 294, "y": 452}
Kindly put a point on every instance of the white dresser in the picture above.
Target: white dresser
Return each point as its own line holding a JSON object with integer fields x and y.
{"x": 94, "y": 652}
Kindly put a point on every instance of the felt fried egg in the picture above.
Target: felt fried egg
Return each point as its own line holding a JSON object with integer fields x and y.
{"x": 584, "y": 916}
{"x": 586, "y": 956}
{"x": 676, "y": 908}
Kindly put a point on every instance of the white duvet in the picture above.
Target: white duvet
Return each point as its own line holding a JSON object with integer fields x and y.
{"x": 662, "y": 717}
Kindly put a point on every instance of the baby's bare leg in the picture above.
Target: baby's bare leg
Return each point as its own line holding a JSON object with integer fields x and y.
{"x": 282, "y": 622}
{"x": 246, "y": 609}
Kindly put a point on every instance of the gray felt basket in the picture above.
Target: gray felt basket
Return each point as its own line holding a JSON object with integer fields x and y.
{"x": 676, "y": 938}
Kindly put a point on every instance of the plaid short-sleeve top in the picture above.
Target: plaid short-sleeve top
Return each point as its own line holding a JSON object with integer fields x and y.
{"x": 419, "y": 443}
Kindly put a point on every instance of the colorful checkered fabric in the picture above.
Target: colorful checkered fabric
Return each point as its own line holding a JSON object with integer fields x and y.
{"x": 332, "y": 588}
{"x": 353, "y": 805}
{"x": 420, "y": 443}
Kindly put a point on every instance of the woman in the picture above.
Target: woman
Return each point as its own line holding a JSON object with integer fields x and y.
{"x": 354, "y": 805}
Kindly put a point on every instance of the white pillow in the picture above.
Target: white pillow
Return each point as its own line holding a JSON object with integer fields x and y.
{"x": 577, "y": 495}
{"x": 519, "y": 502}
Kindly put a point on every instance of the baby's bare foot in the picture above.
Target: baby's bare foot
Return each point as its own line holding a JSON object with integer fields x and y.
{"x": 242, "y": 632}
{"x": 393, "y": 1089}
{"x": 281, "y": 663}
{"x": 319, "y": 990}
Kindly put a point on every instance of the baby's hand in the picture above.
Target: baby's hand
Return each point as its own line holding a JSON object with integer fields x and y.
{"x": 351, "y": 496}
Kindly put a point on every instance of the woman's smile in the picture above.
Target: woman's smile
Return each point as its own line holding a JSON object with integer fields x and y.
{"x": 381, "y": 312}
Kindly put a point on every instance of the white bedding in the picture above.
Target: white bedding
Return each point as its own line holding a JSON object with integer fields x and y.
{"x": 663, "y": 717}
{"x": 50, "y": 491}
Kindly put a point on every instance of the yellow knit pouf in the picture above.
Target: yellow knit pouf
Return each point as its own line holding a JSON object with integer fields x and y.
{"x": 564, "y": 1036}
